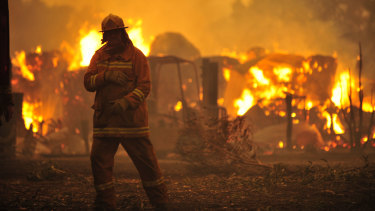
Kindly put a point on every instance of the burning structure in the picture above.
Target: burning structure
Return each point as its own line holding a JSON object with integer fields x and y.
{"x": 294, "y": 101}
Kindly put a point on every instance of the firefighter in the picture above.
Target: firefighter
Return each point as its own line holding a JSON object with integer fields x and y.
{"x": 119, "y": 73}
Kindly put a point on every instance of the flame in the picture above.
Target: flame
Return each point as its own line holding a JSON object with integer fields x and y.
{"x": 281, "y": 144}
{"x": 309, "y": 105}
{"x": 89, "y": 44}
{"x": 28, "y": 114}
{"x": 340, "y": 92}
{"x": 136, "y": 35}
{"x": 242, "y": 57}
{"x": 258, "y": 74}
{"x": 283, "y": 73}
{"x": 220, "y": 101}
{"x": 20, "y": 61}
{"x": 367, "y": 107}
{"x": 337, "y": 126}
{"x": 226, "y": 74}
{"x": 178, "y": 106}
{"x": 244, "y": 103}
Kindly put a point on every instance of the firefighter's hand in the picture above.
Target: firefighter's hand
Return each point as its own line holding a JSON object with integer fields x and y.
{"x": 118, "y": 106}
{"x": 117, "y": 77}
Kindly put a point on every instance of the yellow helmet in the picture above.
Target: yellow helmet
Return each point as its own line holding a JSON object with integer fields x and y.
{"x": 112, "y": 22}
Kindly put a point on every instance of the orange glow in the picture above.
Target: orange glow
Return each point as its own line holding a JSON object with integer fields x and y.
{"x": 178, "y": 106}
{"x": 281, "y": 144}
{"x": 367, "y": 107}
{"x": 226, "y": 74}
{"x": 20, "y": 61}
{"x": 244, "y": 103}
{"x": 326, "y": 148}
{"x": 283, "y": 73}
{"x": 38, "y": 49}
{"x": 220, "y": 101}
{"x": 258, "y": 74}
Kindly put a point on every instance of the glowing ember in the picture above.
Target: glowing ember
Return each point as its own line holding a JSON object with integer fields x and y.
{"x": 283, "y": 73}
{"x": 38, "y": 49}
{"x": 20, "y": 61}
{"x": 178, "y": 106}
{"x": 281, "y": 144}
{"x": 367, "y": 107}
{"x": 244, "y": 103}
{"x": 258, "y": 74}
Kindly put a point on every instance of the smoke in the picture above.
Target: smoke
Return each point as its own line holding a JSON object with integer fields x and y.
{"x": 302, "y": 27}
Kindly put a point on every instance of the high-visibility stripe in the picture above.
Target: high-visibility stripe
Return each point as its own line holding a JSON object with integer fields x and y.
{"x": 153, "y": 183}
{"x": 139, "y": 93}
{"x": 104, "y": 186}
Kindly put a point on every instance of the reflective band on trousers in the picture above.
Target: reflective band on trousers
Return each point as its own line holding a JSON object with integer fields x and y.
{"x": 104, "y": 186}
{"x": 127, "y": 131}
{"x": 153, "y": 183}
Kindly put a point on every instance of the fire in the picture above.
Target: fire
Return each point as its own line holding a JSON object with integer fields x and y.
{"x": 281, "y": 144}
{"x": 226, "y": 74}
{"x": 89, "y": 44}
{"x": 20, "y": 61}
{"x": 244, "y": 103}
{"x": 337, "y": 126}
{"x": 28, "y": 114}
{"x": 91, "y": 41}
{"x": 178, "y": 106}
{"x": 258, "y": 74}
{"x": 341, "y": 90}
{"x": 283, "y": 73}
{"x": 136, "y": 35}
{"x": 242, "y": 57}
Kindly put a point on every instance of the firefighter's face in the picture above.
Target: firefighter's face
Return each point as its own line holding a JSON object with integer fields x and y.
{"x": 114, "y": 38}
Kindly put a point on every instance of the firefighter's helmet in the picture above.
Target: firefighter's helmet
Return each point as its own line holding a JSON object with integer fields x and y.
{"x": 112, "y": 22}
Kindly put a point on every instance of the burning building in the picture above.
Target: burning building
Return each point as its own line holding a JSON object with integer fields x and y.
{"x": 307, "y": 93}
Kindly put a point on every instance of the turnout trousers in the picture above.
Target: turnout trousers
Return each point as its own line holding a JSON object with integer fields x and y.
{"x": 142, "y": 153}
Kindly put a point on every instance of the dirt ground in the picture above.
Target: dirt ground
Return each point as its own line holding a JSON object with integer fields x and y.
{"x": 321, "y": 181}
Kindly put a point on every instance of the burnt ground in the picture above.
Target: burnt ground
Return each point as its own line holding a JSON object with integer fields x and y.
{"x": 323, "y": 181}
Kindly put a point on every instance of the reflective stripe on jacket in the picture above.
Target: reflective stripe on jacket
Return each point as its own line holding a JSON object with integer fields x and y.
{"x": 134, "y": 121}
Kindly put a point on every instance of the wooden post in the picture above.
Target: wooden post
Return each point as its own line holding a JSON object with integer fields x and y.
{"x": 210, "y": 87}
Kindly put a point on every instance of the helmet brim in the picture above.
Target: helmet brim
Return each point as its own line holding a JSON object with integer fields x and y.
{"x": 114, "y": 29}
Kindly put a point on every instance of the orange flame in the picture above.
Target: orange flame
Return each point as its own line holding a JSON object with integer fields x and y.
{"x": 28, "y": 114}
{"x": 20, "y": 61}
{"x": 244, "y": 103}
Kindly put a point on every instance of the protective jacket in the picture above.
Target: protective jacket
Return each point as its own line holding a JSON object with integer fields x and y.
{"x": 134, "y": 121}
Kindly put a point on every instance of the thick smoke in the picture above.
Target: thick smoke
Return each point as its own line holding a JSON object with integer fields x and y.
{"x": 302, "y": 27}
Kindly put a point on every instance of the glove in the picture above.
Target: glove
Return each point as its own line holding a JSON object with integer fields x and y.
{"x": 117, "y": 77}
{"x": 118, "y": 106}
